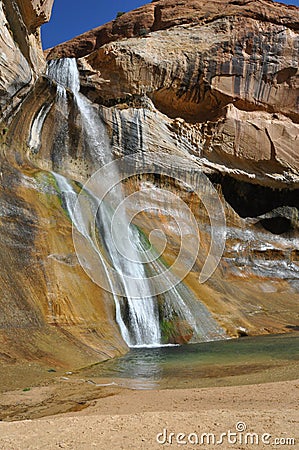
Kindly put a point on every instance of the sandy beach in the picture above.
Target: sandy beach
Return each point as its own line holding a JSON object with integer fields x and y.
{"x": 132, "y": 420}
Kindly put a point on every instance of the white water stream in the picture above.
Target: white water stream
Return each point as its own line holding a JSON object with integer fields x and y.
{"x": 139, "y": 319}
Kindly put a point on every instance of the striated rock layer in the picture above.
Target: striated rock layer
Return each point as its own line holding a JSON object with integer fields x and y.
{"x": 212, "y": 85}
{"x": 231, "y": 79}
{"x": 21, "y": 56}
{"x": 184, "y": 85}
{"x": 51, "y": 311}
{"x": 165, "y": 14}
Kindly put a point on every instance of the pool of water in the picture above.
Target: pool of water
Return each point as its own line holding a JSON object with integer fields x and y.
{"x": 233, "y": 362}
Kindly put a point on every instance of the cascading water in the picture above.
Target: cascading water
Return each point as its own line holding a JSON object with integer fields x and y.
{"x": 143, "y": 312}
{"x": 140, "y": 318}
{"x": 34, "y": 140}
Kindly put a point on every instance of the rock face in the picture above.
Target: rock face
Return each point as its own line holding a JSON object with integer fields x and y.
{"x": 165, "y": 14}
{"x": 51, "y": 311}
{"x": 212, "y": 85}
{"x": 35, "y": 12}
{"x": 230, "y": 66}
{"x": 21, "y": 57}
{"x": 188, "y": 85}
{"x": 235, "y": 77}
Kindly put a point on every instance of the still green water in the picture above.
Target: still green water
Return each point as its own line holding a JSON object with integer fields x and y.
{"x": 222, "y": 363}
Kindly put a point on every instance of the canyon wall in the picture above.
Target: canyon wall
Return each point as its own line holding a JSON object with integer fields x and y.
{"x": 212, "y": 86}
{"x": 228, "y": 69}
{"x": 188, "y": 86}
{"x": 51, "y": 311}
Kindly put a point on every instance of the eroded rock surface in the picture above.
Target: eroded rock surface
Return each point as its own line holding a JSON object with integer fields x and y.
{"x": 21, "y": 56}
{"x": 213, "y": 86}
{"x": 185, "y": 86}
{"x": 164, "y": 14}
{"x": 51, "y": 312}
{"x": 232, "y": 79}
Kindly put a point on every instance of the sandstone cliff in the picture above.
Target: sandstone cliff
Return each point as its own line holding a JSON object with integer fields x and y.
{"x": 213, "y": 85}
{"x": 50, "y": 310}
{"x": 21, "y": 57}
{"x": 230, "y": 68}
{"x": 194, "y": 84}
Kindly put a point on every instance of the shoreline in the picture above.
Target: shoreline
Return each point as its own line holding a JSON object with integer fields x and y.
{"x": 84, "y": 409}
{"x": 32, "y": 390}
{"x": 128, "y": 419}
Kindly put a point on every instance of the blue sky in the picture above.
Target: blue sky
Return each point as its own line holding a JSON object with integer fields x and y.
{"x": 73, "y": 17}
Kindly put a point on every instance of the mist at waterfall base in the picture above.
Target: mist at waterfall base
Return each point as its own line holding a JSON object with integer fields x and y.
{"x": 144, "y": 319}
{"x": 247, "y": 360}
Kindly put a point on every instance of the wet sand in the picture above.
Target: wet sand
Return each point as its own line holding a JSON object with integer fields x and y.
{"x": 113, "y": 418}
{"x": 46, "y": 408}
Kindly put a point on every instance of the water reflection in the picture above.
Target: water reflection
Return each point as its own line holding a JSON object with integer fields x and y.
{"x": 237, "y": 361}
{"x": 140, "y": 369}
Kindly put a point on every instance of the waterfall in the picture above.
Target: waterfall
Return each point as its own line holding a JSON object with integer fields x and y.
{"x": 143, "y": 327}
{"x": 34, "y": 142}
{"x": 140, "y": 319}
